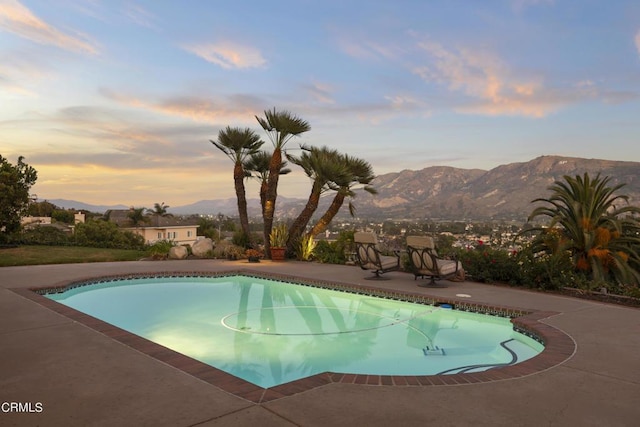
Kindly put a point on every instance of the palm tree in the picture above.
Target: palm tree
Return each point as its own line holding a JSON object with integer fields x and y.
{"x": 280, "y": 126}
{"x": 238, "y": 144}
{"x": 137, "y": 216}
{"x": 257, "y": 166}
{"x": 360, "y": 172}
{"x": 324, "y": 167}
{"x": 601, "y": 236}
{"x": 159, "y": 210}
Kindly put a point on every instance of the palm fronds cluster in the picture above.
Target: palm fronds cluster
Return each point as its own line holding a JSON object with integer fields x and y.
{"x": 597, "y": 227}
{"x": 328, "y": 169}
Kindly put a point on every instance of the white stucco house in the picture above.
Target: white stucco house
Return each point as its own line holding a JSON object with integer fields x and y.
{"x": 179, "y": 234}
{"x": 177, "y": 230}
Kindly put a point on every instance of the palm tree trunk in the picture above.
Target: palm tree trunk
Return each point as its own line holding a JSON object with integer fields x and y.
{"x": 263, "y": 195}
{"x": 238, "y": 179}
{"x": 300, "y": 223}
{"x": 328, "y": 216}
{"x": 270, "y": 202}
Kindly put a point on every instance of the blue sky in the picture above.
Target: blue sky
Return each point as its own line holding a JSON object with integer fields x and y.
{"x": 116, "y": 101}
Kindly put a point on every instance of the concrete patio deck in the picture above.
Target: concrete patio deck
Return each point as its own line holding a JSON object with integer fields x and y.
{"x": 83, "y": 377}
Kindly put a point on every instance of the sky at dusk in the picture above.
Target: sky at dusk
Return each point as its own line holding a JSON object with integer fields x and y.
{"x": 114, "y": 102}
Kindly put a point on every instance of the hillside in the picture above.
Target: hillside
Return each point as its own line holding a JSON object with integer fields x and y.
{"x": 504, "y": 192}
{"x": 443, "y": 193}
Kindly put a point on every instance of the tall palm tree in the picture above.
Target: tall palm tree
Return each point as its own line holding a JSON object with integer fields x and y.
{"x": 324, "y": 167}
{"x": 159, "y": 211}
{"x": 257, "y": 166}
{"x": 238, "y": 144}
{"x": 360, "y": 173}
{"x": 601, "y": 236}
{"x": 280, "y": 126}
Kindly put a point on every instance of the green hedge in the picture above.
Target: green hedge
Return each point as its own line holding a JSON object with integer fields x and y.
{"x": 96, "y": 234}
{"x": 520, "y": 268}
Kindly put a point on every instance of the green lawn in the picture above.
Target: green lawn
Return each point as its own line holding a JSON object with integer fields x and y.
{"x": 34, "y": 255}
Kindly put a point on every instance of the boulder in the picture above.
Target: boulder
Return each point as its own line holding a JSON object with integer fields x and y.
{"x": 178, "y": 252}
{"x": 201, "y": 248}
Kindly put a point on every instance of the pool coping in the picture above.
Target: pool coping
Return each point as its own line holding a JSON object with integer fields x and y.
{"x": 559, "y": 347}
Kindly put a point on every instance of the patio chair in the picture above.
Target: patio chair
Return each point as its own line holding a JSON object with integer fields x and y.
{"x": 425, "y": 261}
{"x": 369, "y": 257}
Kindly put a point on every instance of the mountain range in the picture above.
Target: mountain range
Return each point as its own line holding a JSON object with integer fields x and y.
{"x": 442, "y": 192}
{"x": 502, "y": 193}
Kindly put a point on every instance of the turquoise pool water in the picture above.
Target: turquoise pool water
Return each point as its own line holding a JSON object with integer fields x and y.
{"x": 269, "y": 332}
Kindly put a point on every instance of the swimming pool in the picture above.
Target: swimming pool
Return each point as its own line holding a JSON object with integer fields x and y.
{"x": 271, "y": 332}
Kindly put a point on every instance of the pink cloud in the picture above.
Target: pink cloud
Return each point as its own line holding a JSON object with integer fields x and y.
{"x": 229, "y": 55}
{"x": 237, "y": 108}
{"x": 486, "y": 78}
{"x": 17, "y": 19}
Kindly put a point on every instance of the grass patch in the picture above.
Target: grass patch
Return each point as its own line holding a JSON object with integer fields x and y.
{"x": 36, "y": 255}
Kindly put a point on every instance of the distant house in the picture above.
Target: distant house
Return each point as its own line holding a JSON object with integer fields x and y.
{"x": 32, "y": 222}
{"x": 179, "y": 234}
{"x": 35, "y": 220}
{"x": 328, "y": 236}
{"x": 177, "y": 230}
{"x": 78, "y": 218}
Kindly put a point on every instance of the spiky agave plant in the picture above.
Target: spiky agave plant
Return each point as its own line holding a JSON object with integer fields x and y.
{"x": 306, "y": 246}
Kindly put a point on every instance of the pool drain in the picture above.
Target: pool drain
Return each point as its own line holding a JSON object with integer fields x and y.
{"x": 433, "y": 351}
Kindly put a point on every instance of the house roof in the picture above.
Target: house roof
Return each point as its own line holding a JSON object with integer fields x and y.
{"x": 122, "y": 219}
{"x": 161, "y": 227}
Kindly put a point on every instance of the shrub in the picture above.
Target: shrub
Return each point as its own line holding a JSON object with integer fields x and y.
{"x": 160, "y": 249}
{"x": 240, "y": 239}
{"x": 63, "y": 215}
{"x": 228, "y": 250}
{"x": 234, "y": 252}
{"x": 305, "y": 248}
{"x": 522, "y": 268}
{"x": 207, "y": 228}
{"x": 483, "y": 264}
{"x": 405, "y": 262}
{"x": 488, "y": 265}
{"x": 45, "y": 235}
{"x": 546, "y": 271}
{"x": 104, "y": 234}
{"x": 329, "y": 253}
{"x": 129, "y": 240}
{"x": 253, "y": 254}
{"x": 337, "y": 252}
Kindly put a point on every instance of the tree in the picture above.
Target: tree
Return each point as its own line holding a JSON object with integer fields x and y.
{"x": 280, "y": 126}
{"x": 257, "y": 166}
{"x": 207, "y": 228}
{"x": 43, "y": 208}
{"x": 324, "y": 167}
{"x": 601, "y": 236}
{"x": 63, "y": 215}
{"x": 360, "y": 172}
{"x": 15, "y": 183}
{"x": 159, "y": 211}
{"x": 239, "y": 144}
{"x": 137, "y": 216}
